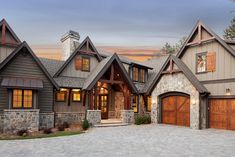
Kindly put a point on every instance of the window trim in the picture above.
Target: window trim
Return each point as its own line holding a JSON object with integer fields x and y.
{"x": 86, "y": 57}
{"x": 200, "y": 54}
{"x": 75, "y": 92}
{"x": 65, "y": 96}
{"x": 22, "y": 107}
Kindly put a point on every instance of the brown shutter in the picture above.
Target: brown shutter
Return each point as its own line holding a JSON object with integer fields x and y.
{"x": 78, "y": 63}
{"x": 211, "y": 61}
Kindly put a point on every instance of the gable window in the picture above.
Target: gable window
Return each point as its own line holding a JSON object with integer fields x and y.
{"x": 142, "y": 75}
{"x": 76, "y": 95}
{"x": 135, "y": 74}
{"x": 134, "y": 103}
{"x": 85, "y": 64}
{"x": 22, "y": 98}
{"x": 61, "y": 95}
{"x": 201, "y": 61}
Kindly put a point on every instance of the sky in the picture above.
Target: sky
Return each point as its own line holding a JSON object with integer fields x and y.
{"x": 114, "y": 22}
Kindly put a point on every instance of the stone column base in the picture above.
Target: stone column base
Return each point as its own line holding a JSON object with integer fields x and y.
{"x": 46, "y": 120}
{"x": 94, "y": 116}
{"x": 127, "y": 116}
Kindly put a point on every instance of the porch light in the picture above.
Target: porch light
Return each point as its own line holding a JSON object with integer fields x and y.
{"x": 63, "y": 89}
{"x": 228, "y": 91}
{"x": 75, "y": 90}
{"x": 193, "y": 101}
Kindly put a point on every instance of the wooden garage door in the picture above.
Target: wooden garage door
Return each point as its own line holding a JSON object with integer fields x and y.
{"x": 222, "y": 113}
{"x": 176, "y": 110}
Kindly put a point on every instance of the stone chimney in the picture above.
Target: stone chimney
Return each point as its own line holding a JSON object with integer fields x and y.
{"x": 70, "y": 41}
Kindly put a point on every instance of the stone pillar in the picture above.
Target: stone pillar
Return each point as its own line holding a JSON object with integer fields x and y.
{"x": 18, "y": 119}
{"x": 127, "y": 116}
{"x": 46, "y": 120}
{"x": 94, "y": 116}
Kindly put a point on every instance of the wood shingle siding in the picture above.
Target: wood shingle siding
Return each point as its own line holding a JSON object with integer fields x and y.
{"x": 24, "y": 65}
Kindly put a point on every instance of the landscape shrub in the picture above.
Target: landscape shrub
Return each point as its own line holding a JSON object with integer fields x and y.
{"x": 22, "y": 132}
{"x": 47, "y": 131}
{"x": 61, "y": 127}
{"x": 85, "y": 124}
{"x": 142, "y": 119}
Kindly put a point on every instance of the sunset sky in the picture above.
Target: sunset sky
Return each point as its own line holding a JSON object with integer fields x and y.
{"x": 128, "y": 23}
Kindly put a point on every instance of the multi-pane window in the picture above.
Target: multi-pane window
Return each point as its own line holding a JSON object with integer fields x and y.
{"x": 142, "y": 75}
{"x": 85, "y": 64}
{"x": 149, "y": 103}
{"x": 135, "y": 74}
{"x": 61, "y": 95}
{"x": 22, "y": 98}
{"x": 134, "y": 103}
{"x": 76, "y": 94}
{"x": 201, "y": 62}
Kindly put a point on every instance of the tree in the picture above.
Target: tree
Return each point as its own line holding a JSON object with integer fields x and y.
{"x": 170, "y": 49}
{"x": 229, "y": 33}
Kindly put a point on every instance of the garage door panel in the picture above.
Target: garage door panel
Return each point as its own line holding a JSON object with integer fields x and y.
{"x": 222, "y": 113}
{"x": 176, "y": 110}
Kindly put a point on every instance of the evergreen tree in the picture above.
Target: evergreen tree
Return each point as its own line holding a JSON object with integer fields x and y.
{"x": 229, "y": 33}
{"x": 170, "y": 49}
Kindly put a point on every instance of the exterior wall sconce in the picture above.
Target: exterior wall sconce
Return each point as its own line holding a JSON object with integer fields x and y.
{"x": 193, "y": 101}
{"x": 228, "y": 91}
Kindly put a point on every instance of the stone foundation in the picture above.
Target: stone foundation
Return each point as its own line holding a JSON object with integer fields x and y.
{"x": 94, "y": 116}
{"x": 1, "y": 122}
{"x": 176, "y": 83}
{"x": 15, "y": 120}
{"x": 46, "y": 120}
{"x": 69, "y": 117}
{"x": 128, "y": 116}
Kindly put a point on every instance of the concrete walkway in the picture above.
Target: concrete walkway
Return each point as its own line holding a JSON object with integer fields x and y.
{"x": 146, "y": 140}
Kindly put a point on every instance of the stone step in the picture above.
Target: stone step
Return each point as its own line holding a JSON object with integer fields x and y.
{"x": 110, "y": 124}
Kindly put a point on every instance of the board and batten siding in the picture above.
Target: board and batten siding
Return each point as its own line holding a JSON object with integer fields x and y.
{"x": 5, "y": 52}
{"x": 72, "y": 72}
{"x": 225, "y": 64}
{"x": 26, "y": 66}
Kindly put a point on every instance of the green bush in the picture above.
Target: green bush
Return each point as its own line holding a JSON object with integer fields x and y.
{"x": 85, "y": 124}
{"x": 142, "y": 119}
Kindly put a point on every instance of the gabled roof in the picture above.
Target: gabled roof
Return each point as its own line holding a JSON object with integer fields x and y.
{"x": 217, "y": 38}
{"x": 186, "y": 71}
{"x": 26, "y": 46}
{"x": 102, "y": 67}
{"x": 85, "y": 41}
{"x": 4, "y": 22}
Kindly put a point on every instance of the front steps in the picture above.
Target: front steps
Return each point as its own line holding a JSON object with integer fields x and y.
{"x": 111, "y": 123}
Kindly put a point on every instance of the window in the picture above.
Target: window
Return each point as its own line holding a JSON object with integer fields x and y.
{"x": 135, "y": 74}
{"x": 201, "y": 62}
{"x": 149, "y": 103}
{"x": 142, "y": 75}
{"x": 61, "y": 95}
{"x": 22, "y": 98}
{"x": 76, "y": 94}
{"x": 134, "y": 103}
{"x": 85, "y": 64}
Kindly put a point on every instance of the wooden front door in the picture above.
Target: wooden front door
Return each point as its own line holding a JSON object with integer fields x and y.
{"x": 103, "y": 106}
{"x": 222, "y": 114}
{"x": 176, "y": 110}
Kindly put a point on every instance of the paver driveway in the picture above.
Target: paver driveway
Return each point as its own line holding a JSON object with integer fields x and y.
{"x": 148, "y": 140}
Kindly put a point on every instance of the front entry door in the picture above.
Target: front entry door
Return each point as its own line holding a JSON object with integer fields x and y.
{"x": 103, "y": 106}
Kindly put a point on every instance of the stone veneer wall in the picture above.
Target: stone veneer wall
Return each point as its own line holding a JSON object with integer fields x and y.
{"x": 15, "y": 120}
{"x": 128, "y": 116}
{"x": 69, "y": 117}
{"x": 46, "y": 120}
{"x": 176, "y": 83}
{"x": 94, "y": 116}
{"x": 1, "y": 122}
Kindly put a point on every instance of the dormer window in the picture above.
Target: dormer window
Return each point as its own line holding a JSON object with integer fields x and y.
{"x": 135, "y": 74}
{"x": 142, "y": 75}
{"x": 85, "y": 64}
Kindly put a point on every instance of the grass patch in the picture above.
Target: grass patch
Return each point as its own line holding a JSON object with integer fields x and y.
{"x": 55, "y": 134}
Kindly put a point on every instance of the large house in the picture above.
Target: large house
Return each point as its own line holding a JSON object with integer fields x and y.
{"x": 194, "y": 88}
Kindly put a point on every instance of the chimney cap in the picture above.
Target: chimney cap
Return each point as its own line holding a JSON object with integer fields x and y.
{"x": 70, "y": 33}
